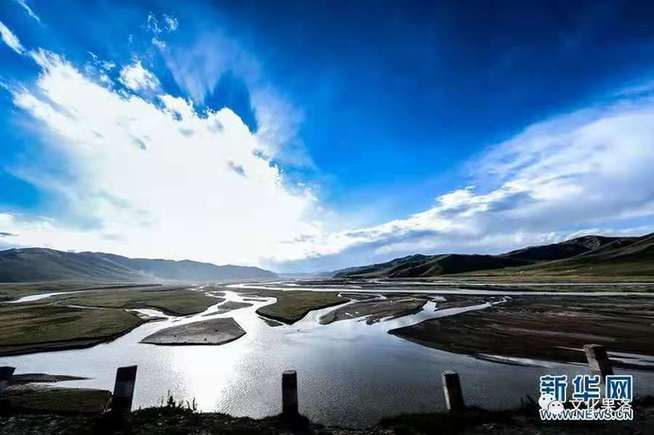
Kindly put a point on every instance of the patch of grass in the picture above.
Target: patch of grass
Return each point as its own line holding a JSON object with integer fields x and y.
{"x": 30, "y": 328}
{"x": 568, "y": 276}
{"x": 179, "y": 419}
{"x": 179, "y": 301}
{"x": 10, "y": 291}
{"x": 35, "y": 327}
{"x": 35, "y": 399}
{"x": 442, "y": 423}
{"x": 292, "y": 306}
{"x": 172, "y": 403}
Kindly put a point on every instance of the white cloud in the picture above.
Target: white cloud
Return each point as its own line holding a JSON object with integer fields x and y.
{"x": 167, "y": 23}
{"x": 198, "y": 67}
{"x": 153, "y": 179}
{"x": 28, "y": 9}
{"x": 584, "y": 172}
{"x": 152, "y": 23}
{"x": 158, "y": 179}
{"x": 278, "y": 123}
{"x": 137, "y": 78}
{"x": 10, "y": 39}
{"x": 161, "y": 45}
{"x": 171, "y": 23}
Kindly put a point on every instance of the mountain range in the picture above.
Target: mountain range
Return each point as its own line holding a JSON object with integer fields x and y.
{"x": 41, "y": 264}
{"x": 582, "y": 256}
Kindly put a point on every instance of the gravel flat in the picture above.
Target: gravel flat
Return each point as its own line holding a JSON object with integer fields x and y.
{"x": 209, "y": 332}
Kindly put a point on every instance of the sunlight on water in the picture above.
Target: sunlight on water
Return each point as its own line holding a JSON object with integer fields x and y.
{"x": 349, "y": 373}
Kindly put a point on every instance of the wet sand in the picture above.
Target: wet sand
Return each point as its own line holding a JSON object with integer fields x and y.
{"x": 551, "y": 329}
{"x": 375, "y": 310}
{"x": 207, "y": 332}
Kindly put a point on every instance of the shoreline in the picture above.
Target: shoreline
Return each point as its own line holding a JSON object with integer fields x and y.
{"x": 181, "y": 418}
{"x": 56, "y": 346}
{"x": 547, "y": 330}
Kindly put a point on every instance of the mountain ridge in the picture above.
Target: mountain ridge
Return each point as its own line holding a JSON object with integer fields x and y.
{"x": 590, "y": 254}
{"x": 45, "y": 264}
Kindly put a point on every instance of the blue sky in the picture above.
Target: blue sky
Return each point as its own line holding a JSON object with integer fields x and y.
{"x": 349, "y": 132}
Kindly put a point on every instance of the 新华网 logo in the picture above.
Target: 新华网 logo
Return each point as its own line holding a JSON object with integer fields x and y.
{"x": 587, "y": 401}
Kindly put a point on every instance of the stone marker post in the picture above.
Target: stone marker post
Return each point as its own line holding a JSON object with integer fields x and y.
{"x": 6, "y": 374}
{"x": 598, "y": 360}
{"x": 452, "y": 390}
{"x": 121, "y": 401}
{"x": 289, "y": 394}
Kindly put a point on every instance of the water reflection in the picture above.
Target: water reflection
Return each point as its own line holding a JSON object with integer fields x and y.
{"x": 349, "y": 373}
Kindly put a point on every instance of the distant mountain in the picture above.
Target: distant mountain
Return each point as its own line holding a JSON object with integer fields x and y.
{"x": 632, "y": 256}
{"x": 40, "y": 264}
{"x": 421, "y": 266}
{"x": 582, "y": 255}
{"x": 567, "y": 249}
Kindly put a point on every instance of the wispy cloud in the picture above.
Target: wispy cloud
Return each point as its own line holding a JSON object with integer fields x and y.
{"x": 138, "y": 78}
{"x": 160, "y": 26}
{"x": 166, "y": 23}
{"x": 170, "y": 23}
{"x": 198, "y": 66}
{"x": 28, "y": 9}
{"x": 581, "y": 172}
{"x": 10, "y": 39}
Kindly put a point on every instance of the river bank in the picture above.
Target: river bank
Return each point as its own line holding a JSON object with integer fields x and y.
{"x": 179, "y": 419}
{"x": 340, "y": 364}
{"x": 546, "y": 329}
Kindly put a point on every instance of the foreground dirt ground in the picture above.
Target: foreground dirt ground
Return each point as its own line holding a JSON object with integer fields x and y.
{"x": 179, "y": 420}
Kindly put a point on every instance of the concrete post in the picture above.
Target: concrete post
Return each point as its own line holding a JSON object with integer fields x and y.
{"x": 452, "y": 390}
{"x": 121, "y": 401}
{"x": 6, "y": 374}
{"x": 289, "y": 394}
{"x": 598, "y": 360}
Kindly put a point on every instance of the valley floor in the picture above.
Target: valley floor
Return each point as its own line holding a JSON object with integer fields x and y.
{"x": 498, "y": 322}
{"x": 550, "y": 328}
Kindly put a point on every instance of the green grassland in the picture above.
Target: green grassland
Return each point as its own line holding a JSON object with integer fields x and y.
{"x": 292, "y": 306}
{"x": 55, "y": 325}
{"x": 178, "y": 301}
{"x": 34, "y": 399}
{"x": 33, "y": 328}
{"x": 11, "y": 291}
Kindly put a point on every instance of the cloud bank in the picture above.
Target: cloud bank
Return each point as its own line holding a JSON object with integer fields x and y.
{"x": 141, "y": 172}
{"x": 588, "y": 171}
{"x": 152, "y": 177}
